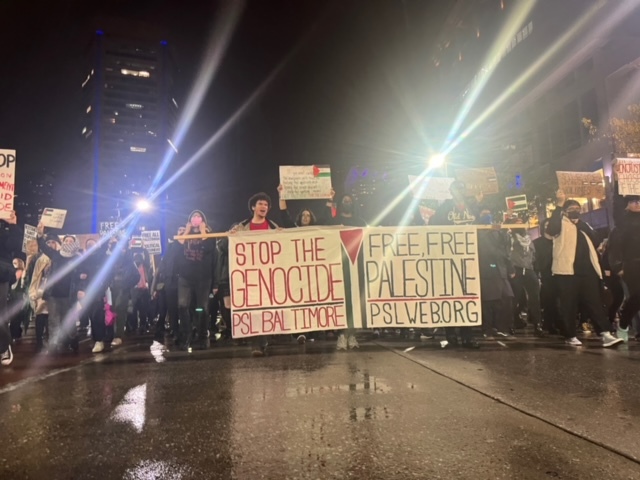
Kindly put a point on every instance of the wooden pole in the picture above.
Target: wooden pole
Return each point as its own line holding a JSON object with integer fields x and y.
{"x": 479, "y": 227}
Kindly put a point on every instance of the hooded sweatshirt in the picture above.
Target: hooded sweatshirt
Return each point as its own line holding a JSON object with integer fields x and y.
{"x": 195, "y": 264}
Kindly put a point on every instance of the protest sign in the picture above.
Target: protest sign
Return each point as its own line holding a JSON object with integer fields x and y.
{"x": 53, "y": 217}
{"x": 421, "y": 277}
{"x": 627, "y": 172}
{"x": 478, "y": 180}
{"x": 289, "y": 282}
{"x": 84, "y": 240}
{"x": 106, "y": 227}
{"x": 7, "y": 182}
{"x": 430, "y": 188}
{"x": 581, "y": 184}
{"x": 305, "y": 182}
{"x": 151, "y": 242}
{"x": 517, "y": 203}
{"x": 30, "y": 233}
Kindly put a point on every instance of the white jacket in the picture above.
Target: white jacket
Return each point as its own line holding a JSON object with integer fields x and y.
{"x": 564, "y": 250}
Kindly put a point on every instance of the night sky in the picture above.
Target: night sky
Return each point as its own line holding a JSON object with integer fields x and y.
{"x": 358, "y": 89}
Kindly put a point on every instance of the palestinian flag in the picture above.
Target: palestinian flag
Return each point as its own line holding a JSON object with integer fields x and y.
{"x": 517, "y": 203}
{"x": 321, "y": 171}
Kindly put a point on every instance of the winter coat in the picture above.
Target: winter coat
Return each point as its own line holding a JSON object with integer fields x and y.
{"x": 62, "y": 287}
{"x": 36, "y": 287}
{"x": 565, "y": 241}
{"x": 624, "y": 243}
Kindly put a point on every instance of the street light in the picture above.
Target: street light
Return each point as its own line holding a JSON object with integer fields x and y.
{"x": 438, "y": 160}
{"x": 143, "y": 205}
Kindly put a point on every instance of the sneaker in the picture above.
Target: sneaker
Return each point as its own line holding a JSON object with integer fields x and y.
{"x": 623, "y": 333}
{"x": 586, "y": 328}
{"x": 352, "y": 342}
{"x": 573, "y": 341}
{"x": 257, "y": 353}
{"x": 302, "y": 339}
{"x": 116, "y": 342}
{"x": 7, "y": 357}
{"x": 157, "y": 346}
{"x": 342, "y": 342}
{"x": 609, "y": 340}
{"x": 98, "y": 347}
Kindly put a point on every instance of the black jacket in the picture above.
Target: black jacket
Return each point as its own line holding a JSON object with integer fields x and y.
{"x": 63, "y": 284}
{"x": 167, "y": 274}
{"x": 544, "y": 256}
{"x": 10, "y": 245}
{"x": 624, "y": 243}
{"x": 449, "y": 214}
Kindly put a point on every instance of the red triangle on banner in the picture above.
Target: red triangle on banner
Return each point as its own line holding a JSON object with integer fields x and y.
{"x": 352, "y": 241}
{"x": 316, "y": 171}
{"x": 511, "y": 204}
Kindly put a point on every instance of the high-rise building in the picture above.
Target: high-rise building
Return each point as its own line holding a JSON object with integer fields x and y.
{"x": 129, "y": 115}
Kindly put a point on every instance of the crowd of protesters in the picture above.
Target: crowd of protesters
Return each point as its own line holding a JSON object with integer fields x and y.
{"x": 564, "y": 280}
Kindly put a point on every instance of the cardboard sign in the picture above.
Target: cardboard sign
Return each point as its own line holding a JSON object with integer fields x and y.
{"x": 30, "y": 233}
{"x": 152, "y": 242}
{"x": 301, "y": 280}
{"x": 85, "y": 240}
{"x": 478, "y": 180}
{"x": 7, "y": 182}
{"x": 627, "y": 172}
{"x": 53, "y": 217}
{"x": 430, "y": 188}
{"x": 517, "y": 203}
{"x": 422, "y": 277}
{"x": 582, "y": 184}
{"x": 308, "y": 182}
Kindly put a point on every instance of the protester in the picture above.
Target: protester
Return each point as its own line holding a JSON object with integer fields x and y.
{"x": 576, "y": 270}
{"x": 346, "y": 214}
{"x": 458, "y": 211}
{"x": 41, "y": 270}
{"x": 542, "y": 265}
{"x": 495, "y": 271}
{"x": 259, "y": 206}
{"x": 141, "y": 297}
{"x": 525, "y": 282}
{"x": 18, "y": 305}
{"x": 222, "y": 284}
{"x": 92, "y": 283}
{"x": 195, "y": 280}
{"x": 624, "y": 258}
{"x": 58, "y": 290}
{"x": 165, "y": 288}
{"x": 10, "y": 243}
{"x": 125, "y": 276}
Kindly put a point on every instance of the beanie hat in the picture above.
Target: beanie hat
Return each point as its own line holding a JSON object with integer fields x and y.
{"x": 69, "y": 250}
{"x": 52, "y": 237}
{"x": 632, "y": 198}
{"x": 570, "y": 203}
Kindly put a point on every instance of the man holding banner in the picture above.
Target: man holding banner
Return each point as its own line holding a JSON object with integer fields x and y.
{"x": 10, "y": 243}
{"x": 457, "y": 211}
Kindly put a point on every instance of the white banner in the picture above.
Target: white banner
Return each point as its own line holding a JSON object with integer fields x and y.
{"x": 53, "y": 217}
{"x": 309, "y": 279}
{"x": 7, "y": 182}
{"x": 288, "y": 282}
{"x": 430, "y": 188}
{"x": 628, "y": 175}
{"x": 151, "y": 242}
{"x": 30, "y": 233}
{"x": 422, "y": 277}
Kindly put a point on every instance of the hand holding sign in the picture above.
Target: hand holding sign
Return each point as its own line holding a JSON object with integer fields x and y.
{"x": 560, "y": 198}
{"x": 12, "y": 220}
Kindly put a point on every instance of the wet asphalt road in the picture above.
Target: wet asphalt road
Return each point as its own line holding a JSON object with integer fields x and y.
{"x": 526, "y": 409}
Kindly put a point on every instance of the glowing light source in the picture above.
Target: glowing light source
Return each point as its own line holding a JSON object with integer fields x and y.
{"x": 143, "y": 205}
{"x": 438, "y": 160}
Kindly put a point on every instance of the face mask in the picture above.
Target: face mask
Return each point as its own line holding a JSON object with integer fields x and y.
{"x": 486, "y": 219}
{"x": 196, "y": 221}
{"x": 573, "y": 215}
